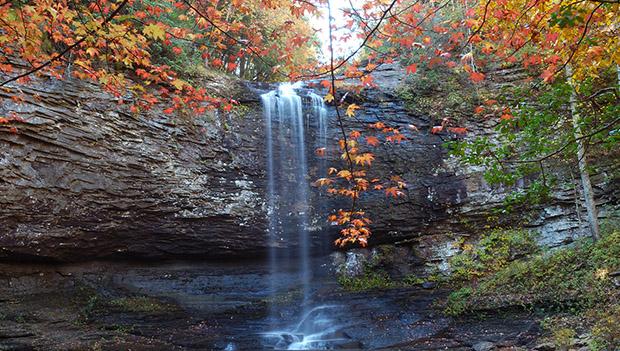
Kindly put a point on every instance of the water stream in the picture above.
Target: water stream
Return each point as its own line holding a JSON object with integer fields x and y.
{"x": 287, "y": 120}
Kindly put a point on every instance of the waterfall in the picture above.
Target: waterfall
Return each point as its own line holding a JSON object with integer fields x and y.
{"x": 287, "y": 183}
{"x": 287, "y": 153}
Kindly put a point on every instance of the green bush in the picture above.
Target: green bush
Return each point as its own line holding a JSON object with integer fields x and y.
{"x": 606, "y": 330}
{"x": 491, "y": 253}
{"x": 570, "y": 279}
{"x": 457, "y": 301}
{"x": 369, "y": 281}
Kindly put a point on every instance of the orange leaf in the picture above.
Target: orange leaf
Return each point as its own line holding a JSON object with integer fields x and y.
{"x": 365, "y": 158}
{"x": 476, "y": 77}
{"x": 412, "y": 68}
{"x": 456, "y": 130}
{"x": 372, "y": 141}
{"x": 355, "y": 134}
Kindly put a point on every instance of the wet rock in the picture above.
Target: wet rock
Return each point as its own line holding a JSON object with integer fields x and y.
{"x": 484, "y": 346}
{"x": 354, "y": 264}
{"x": 547, "y": 346}
{"x": 429, "y": 285}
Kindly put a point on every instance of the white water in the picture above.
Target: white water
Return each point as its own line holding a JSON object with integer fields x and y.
{"x": 288, "y": 210}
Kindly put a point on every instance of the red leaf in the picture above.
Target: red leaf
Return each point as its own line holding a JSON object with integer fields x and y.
{"x": 476, "y": 77}
{"x": 458, "y": 130}
{"x": 412, "y": 68}
{"x": 372, "y": 141}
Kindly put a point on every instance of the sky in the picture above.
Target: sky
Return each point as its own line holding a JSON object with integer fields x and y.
{"x": 322, "y": 22}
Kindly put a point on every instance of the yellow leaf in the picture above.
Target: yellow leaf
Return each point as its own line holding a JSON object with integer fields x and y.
{"x": 154, "y": 31}
{"x": 351, "y": 110}
{"x": 344, "y": 174}
{"x": 178, "y": 83}
{"x": 329, "y": 97}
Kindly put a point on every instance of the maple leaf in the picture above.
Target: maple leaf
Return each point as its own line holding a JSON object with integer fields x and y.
{"x": 547, "y": 75}
{"x": 476, "y": 77}
{"x": 332, "y": 170}
{"x": 412, "y": 68}
{"x": 351, "y": 110}
{"x": 365, "y": 158}
{"x": 355, "y": 134}
{"x": 324, "y": 181}
{"x": 436, "y": 129}
{"x": 378, "y": 125}
{"x": 393, "y": 191}
{"x": 479, "y": 109}
{"x": 320, "y": 151}
{"x": 372, "y": 141}
{"x": 329, "y": 97}
{"x": 344, "y": 174}
{"x": 457, "y": 130}
{"x": 154, "y": 31}
{"x": 92, "y": 51}
{"x": 178, "y": 84}
{"x": 325, "y": 83}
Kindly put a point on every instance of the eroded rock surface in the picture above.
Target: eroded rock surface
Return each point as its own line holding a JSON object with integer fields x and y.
{"x": 84, "y": 178}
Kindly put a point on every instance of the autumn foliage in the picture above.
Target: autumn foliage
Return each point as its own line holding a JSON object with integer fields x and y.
{"x": 127, "y": 45}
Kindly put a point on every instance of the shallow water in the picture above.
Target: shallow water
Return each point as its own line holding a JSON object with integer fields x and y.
{"x": 218, "y": 306}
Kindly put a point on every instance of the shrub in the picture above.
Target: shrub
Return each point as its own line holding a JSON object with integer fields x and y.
{"x": 570, "y": 279}
{"x": 458, "y": 301}
{"x": 369, "y": 281}
{"x": 606, "y": 330}
{"x": 491, "y": 253}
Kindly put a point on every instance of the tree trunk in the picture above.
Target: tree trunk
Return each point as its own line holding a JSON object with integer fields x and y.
{"x": 588, "y": 193}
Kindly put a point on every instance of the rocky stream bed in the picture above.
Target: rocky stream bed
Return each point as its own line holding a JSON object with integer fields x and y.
{"x": 210, "y": 306}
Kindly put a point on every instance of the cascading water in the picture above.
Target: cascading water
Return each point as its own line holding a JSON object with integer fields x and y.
{"x": 287, "y": 186}
{"x": 289, "y": 208}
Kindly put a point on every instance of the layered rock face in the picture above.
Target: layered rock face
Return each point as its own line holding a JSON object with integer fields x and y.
{"x": 446, "y": 200}
{"x": 83, "y": 178}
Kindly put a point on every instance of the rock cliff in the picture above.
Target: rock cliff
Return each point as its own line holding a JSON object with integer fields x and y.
{"x": 84, "y": 178}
